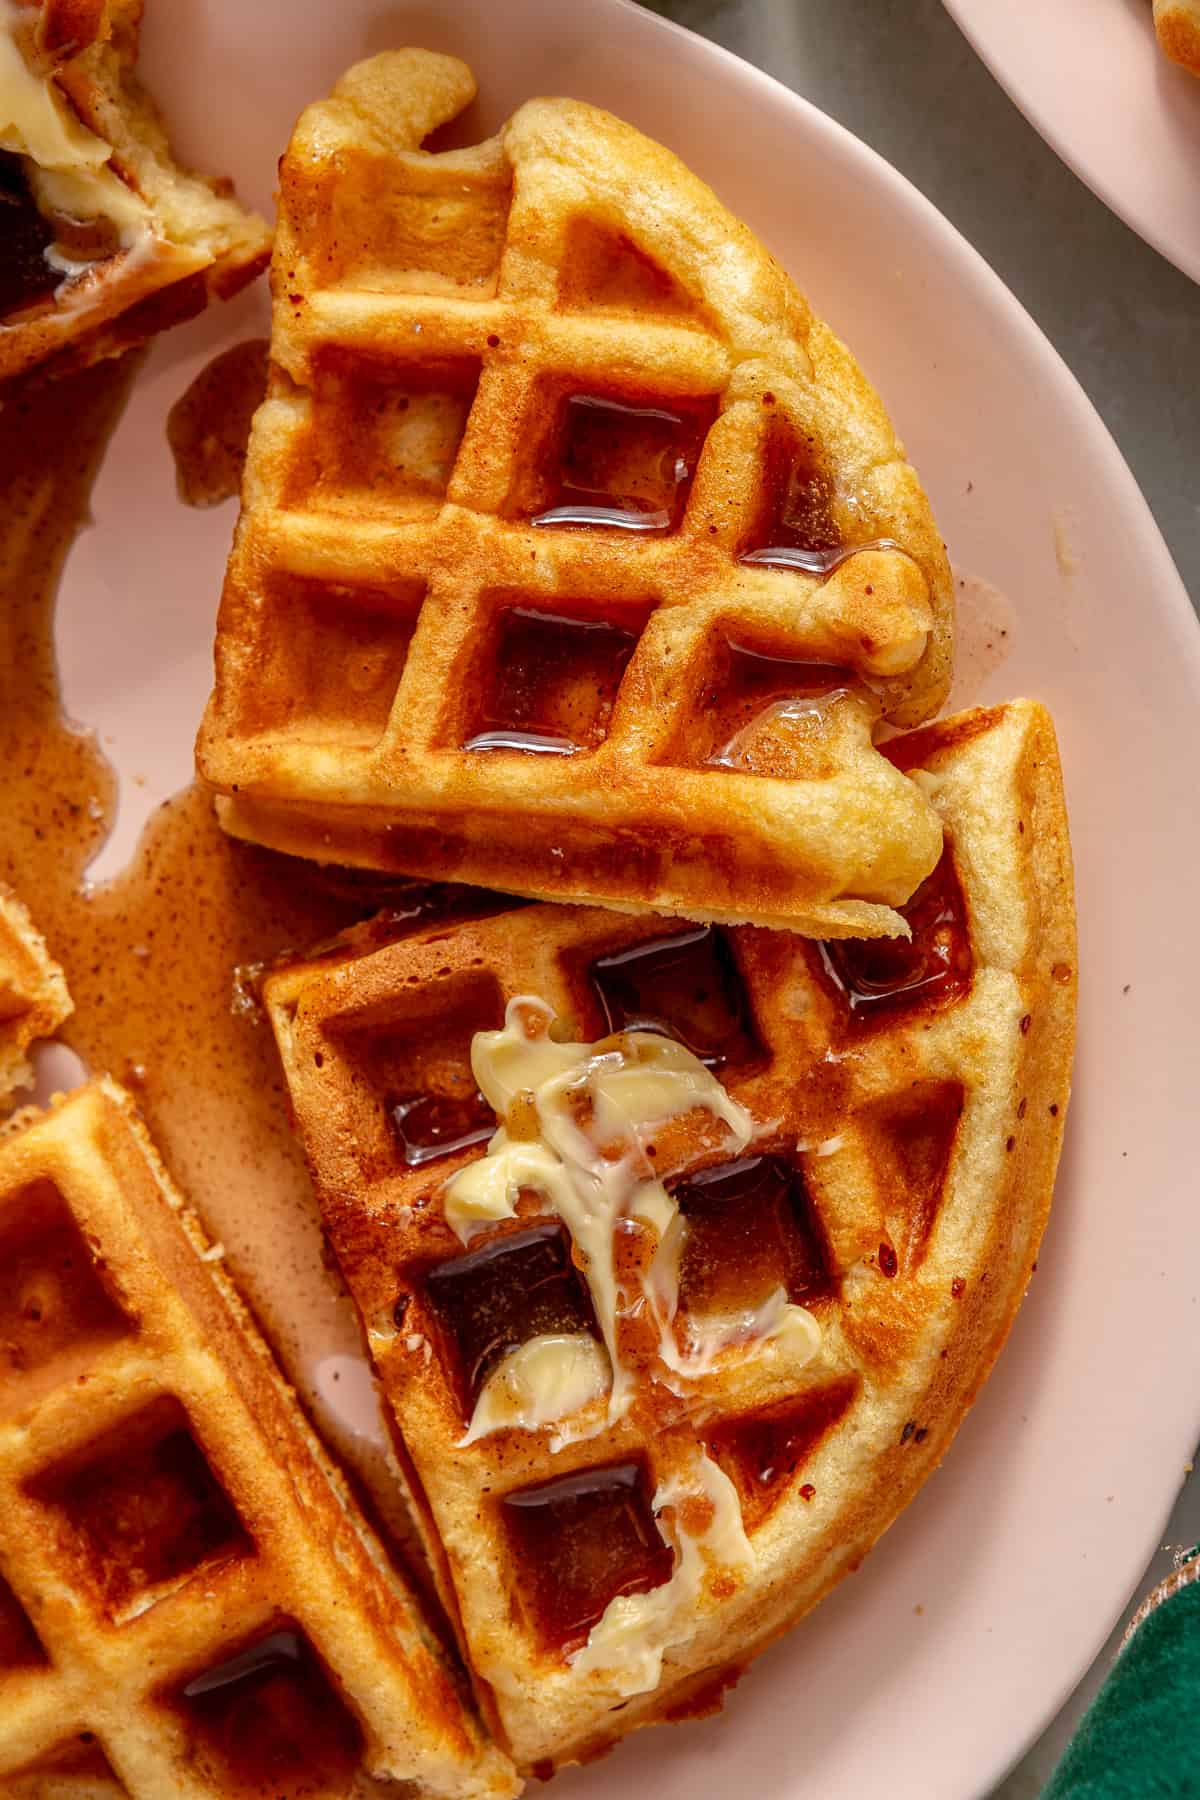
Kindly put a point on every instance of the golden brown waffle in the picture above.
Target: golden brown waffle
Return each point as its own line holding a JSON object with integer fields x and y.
{"x": 190, "y": 1601}
{"x": 908, "y": 1100}
{"x": 1177, "y": 23}
{"x": 104, "y": 238}
{"x": 33, "y": 995}
{"x": 576, "y": 557}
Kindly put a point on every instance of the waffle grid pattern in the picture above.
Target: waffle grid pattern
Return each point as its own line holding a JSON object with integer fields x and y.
{"x": 166, "y": 1511}
{"x": 916, "y": 1219}
{"x": 420, "y": 423}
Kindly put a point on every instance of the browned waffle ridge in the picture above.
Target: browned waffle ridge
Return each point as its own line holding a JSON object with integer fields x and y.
{"x": 33, "y": 994}
{"x": 498, "y": 608}
{"x": 191, "y": 1604}
{"x": 915, "y": 1097}
{"x": 1177, "y": 24}
{"x": 195, "y": 242}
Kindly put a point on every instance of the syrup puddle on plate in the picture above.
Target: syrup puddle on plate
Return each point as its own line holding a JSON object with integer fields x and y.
{"x": 208, "y": 427}
{"x": 985, "y": 626}
{"x": 151, "y": 955}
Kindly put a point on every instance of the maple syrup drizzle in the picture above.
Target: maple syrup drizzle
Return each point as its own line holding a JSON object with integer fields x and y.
{"x": 877, "y": 976}
{"x": 687, "y": 987}
{"x": 764, "y": 1452}
{"x": 208, "y": 427}
{"x": 150, "y": 956}
{"x": 514, "y": 1288}
{"x": 581, "y": 1541}
{"x": 621, "y": 465}
{"x": 821, "y": 562}
{"x": 144, "y": 1515}
{"x": 282, "y": 1649}
{"x": 749, "y": 1229}
{"x": 795, "y": 511}
{"x": 554, "y": 683}
{"x": 270, "y": 1716}
{"x": 433, "y": 1125}
{"x": 613, "y": 517}
{"x": 522, "y": 740}
{"x": 765, "y": 714}
{"x": 26, "y": 278}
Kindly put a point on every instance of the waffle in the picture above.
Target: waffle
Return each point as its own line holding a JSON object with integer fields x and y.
{"x": 104, "y": 238}
{"x": 1177, "y": 23}
{"x": 863, "y": 1201}
{"x": 33, "y": 995}
{"x": 190, "y": 1602}
{"x": 576, "y": 557}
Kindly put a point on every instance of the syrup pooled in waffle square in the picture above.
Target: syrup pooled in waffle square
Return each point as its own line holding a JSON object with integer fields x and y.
{"x": 577, "y": 557}
{"x": 191, "y": 1604}
{"x": 33, "y": 995}
{"x": 104, "y": 238}
{"x": 669, "y": 1351}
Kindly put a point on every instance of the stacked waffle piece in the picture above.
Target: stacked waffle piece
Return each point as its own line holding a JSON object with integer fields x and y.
{"x": 807, "y": 1287}
{"x": 104, "y": 237}
{"x": 576, "y": 555}
{"x": 190, "y": 1602}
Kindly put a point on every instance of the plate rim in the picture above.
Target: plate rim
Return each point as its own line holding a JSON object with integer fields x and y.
{"x": 1030, "y": 342}
{"x": 1181, "y": 255}
{"x": 1178, "y": 610}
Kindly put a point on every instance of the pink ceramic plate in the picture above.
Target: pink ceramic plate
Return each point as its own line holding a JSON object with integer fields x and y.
{"x": 1089, "y": 75}
{"x": 929, "y": 1672}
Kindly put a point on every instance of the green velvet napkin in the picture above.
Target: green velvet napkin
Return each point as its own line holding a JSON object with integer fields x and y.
{"x": 1140, "y": 1738}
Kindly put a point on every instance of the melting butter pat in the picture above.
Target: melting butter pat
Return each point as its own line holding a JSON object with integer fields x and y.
{"x": 67, "y": 166}
{"x": 542, "y": 1382}
{"x": 35, "y": 120}
{"x": 86, "y": 193}
{"x": 590, "y": 1103}
{"x": 626, "y": 1647}
{"x": 510, "y": 1061}
{"x": 777, "y": 1327}
{"x": 487, "y": 1191}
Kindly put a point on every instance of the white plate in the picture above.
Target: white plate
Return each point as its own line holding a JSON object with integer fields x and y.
{"x": 928, "y": 1673}
{"x": 1089, "y": 75}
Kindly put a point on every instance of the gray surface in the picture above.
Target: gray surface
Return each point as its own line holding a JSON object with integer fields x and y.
{"x": 899, "y": 74}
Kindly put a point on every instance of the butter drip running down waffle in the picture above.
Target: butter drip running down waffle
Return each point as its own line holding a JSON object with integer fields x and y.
{"x": 681, "y": 1251}
{"x": 576, "y": 556}
{"x": 104, "y": 238}
{"x": 191, "y": 1605}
